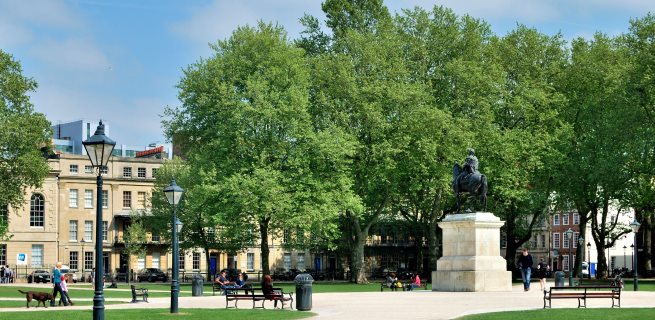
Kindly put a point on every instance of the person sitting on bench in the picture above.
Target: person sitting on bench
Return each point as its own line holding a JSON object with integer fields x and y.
{"x": 221, "y": 280}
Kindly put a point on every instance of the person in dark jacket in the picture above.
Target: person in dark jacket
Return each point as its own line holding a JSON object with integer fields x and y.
{"x": 525, "y": 265}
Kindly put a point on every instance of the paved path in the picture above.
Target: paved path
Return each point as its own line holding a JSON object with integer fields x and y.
{"x": 401, "y": 305}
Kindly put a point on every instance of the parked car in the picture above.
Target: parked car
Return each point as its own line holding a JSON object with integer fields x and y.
{"x": 38, "y": 276}
{"x": 151, "y": 274}
{"x": 71, "y": 277}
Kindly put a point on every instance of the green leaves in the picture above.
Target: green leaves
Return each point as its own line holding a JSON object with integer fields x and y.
{"x": 22, "y": 133}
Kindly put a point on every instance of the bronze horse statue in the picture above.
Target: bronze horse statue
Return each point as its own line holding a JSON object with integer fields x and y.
{"x": 467, "y": 180}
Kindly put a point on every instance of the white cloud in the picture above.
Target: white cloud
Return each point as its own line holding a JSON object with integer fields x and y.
{"x": 132, "y": 122}
{"x": 519, "y": 10}
{"x": 220, "y": 18}
{"x": 49, "y": 13}
{"x": 74, "y": 53}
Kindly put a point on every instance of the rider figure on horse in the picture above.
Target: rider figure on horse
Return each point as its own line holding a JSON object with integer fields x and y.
{"x": 467, "y": 179}
{"x": 470, "y": 164}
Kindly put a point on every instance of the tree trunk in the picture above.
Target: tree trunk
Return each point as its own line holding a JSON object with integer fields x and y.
{"x": 357, "y": 253}
{"x": 263, "y": 233}
{"x": 601, "y": 268}
{"x": 433, "y": 246}
{"x": 209, "y": 275}
{"x": 581, "y": 249}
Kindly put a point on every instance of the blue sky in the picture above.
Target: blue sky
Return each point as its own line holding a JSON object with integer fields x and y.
{"x": 120, "y": 60}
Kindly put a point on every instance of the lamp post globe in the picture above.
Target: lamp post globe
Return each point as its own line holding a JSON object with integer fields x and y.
{"x": 634, "y": 225}
{"x": 99, "y": 149}
{"x": 173, "y": 194}
{"x": 569, "y": 234}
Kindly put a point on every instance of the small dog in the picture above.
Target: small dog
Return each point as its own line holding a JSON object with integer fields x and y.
{"x": 40, "y": 297}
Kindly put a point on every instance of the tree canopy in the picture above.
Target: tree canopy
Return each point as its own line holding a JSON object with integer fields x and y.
{"x": 23, "y": 132}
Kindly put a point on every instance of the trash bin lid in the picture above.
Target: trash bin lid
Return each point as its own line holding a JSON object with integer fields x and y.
{"x": 303, "y": 278}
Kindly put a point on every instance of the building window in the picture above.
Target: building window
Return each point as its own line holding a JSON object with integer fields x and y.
{"x": 37, "y": 255}
{"x": 72, "y": 260}
{"x": 155, "y": 260}
{"x": 182, "y": 261}
{"x": 141, "y": 200}
{"x": 105, "y": 199}
{"x": 88, "y": 198}
{"x": 4, "y": 215}
{"x": 154, "y": 172}
{"x": 556, "y": 219}
{"x": 576, "y": 218}
{"x": 250, "y": 261}
{"x": 196, "y": 261}
{"x": 88, "y": 260}
{"x": 72, "y": 168}
{"x": 565, "y": 219}
{"x": 72, "y": 198}
{"x": 127, "y": 199}
{"x": 287, "y": 261}
{"x": 37, "y": 211}
{"x": 155, "y": 237}
{"x": 566, "y": 240}
{"x": 542, "y": 240}
{"x": 141, "y": 262}
{"x": 565, "y": 262}
{"x": 127, "y": 172}
{"x": 287, "y": 236}
{"x": 88, "y": 231}
{"x": 576, "y": 235}
{"x": 105, "y": 226}
{"x": 3, "y": 254}
{"x": 88, "y": 169}
{"x": 301, "y": 261}
{"x": 104, "y": 170}
{"x": 533, "y": 242}
{"x": 72, "y": 230}
{"x": 141, "y": 172}
{"x": 556, "y": 244}
{"x": 503, "y": 240}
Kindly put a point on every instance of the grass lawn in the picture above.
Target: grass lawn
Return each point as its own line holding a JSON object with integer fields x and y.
{"x": 21, "y": 303}
{"x": 564, "y": 314}
{"x": 158, "y": 314}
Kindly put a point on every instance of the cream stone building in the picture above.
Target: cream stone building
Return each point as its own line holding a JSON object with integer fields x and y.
{"x": 58, "y": 219}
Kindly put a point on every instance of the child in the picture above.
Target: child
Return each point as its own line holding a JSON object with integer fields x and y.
{"x": 65, "y": 298}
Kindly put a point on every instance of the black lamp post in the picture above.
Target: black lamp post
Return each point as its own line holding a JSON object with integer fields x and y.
{"x": 589, "y": 259}
{"x": 635, "y": 227}
{"x": 99, "y": 148}
{"x": 173, "y": 194}
{"x": 625, "y": 261}
{"x": 569, "y": 234}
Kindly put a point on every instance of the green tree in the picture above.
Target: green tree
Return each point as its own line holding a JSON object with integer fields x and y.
{"x": 135, "y": 238}
{"x": 641, "y": 46}
{"x": 592, "y": 174}
{"x": 245, "y": 125}
{"x": 519, "y": 148}
{"x": 22, "y": 133}
{"x": 445, "y": 53}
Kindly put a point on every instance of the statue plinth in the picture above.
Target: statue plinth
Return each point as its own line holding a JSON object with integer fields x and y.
{"x": 471, "y": 258}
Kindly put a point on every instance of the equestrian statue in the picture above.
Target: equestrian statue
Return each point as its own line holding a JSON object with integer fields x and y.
{"x": 469, "y": 181}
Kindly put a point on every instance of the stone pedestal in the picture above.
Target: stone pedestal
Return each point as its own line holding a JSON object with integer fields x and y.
{"x": 471, "y": 258}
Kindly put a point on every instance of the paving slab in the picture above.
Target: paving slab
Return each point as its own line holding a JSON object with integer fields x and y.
{"x": 417, "y": 304}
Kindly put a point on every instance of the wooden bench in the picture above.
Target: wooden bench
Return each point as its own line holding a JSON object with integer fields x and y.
{"x": 405, "y": 286}
{"x": 217, "y": 288}
{"x": 256, "y": 294}
{"x": 384, "y": 285}
{"x": 139, "y": 292}
{"x": 595, "y": 282}
{"x": 582, "y": 293}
